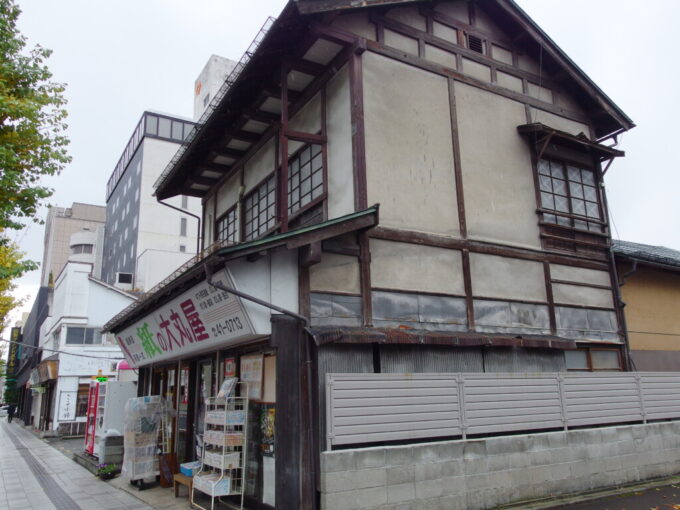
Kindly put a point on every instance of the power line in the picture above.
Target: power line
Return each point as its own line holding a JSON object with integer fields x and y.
{"x": 60, "y": 351}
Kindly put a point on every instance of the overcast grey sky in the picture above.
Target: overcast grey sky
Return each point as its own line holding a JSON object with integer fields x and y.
{"x": 120, "y": 58}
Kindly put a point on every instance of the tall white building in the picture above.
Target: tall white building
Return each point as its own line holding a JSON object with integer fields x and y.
{"x": 146, "y": 240}
{"x": 212, "y": 77}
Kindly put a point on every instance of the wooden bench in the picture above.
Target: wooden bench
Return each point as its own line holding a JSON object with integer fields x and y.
{"x": 180, "y": 479}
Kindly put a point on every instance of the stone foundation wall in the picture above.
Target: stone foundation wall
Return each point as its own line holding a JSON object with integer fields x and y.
{"x": 484, "y": 473}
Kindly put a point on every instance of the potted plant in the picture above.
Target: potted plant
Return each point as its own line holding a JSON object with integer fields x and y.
{"x": 106, "y": 471}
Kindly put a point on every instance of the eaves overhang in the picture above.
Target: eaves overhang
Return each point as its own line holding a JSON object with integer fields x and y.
{"x": 542, "y": 135}
{"x": 194, "y": 271}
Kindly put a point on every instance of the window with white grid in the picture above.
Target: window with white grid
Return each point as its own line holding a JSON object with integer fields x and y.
{"x": 226, "y": 227}
{"x": 260, "y": 209}
{"x": 305, "y": 177}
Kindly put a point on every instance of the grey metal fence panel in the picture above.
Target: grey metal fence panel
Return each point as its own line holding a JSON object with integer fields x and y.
{"x": 371, "y": 408}
{"x": 661, "y": 395}
{"x": 598, "y": 399}
{"x": 511, "y": 402}
{"x": 387, "y": 407}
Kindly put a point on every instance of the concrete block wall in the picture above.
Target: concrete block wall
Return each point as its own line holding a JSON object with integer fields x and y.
{"x": 484, "y": 473}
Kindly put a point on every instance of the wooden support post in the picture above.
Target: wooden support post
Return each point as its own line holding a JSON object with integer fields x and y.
{"x": 294, "y": 477}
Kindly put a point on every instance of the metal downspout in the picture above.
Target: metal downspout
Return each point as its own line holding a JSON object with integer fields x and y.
{"x": 198, "y": 219}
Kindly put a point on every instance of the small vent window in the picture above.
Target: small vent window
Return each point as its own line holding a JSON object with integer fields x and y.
{"x": 475, "y": 43}
{"x": 124, "y": 277}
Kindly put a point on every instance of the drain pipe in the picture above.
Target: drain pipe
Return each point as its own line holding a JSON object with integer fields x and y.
{"x": 198, "y": 219}
{"x": 308, "y": 359}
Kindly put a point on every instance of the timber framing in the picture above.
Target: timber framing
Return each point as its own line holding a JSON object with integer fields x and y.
{"x": 239, "y": 115}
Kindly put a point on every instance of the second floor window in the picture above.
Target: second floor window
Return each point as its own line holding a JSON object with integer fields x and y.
{"x": 226, "y": 227}
{"x": 183, "y": 227}
{"x": 76, "y": 335}
{"x": 260, "y": 209}
{"x": 305, "y": 178}
{"x": 571, "y": 192}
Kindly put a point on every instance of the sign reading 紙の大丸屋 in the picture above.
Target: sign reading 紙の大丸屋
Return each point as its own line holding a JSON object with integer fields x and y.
{"x": 196, "y": 320}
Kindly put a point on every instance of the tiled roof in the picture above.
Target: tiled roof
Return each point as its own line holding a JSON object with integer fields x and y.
{"x": 647, "y": 253}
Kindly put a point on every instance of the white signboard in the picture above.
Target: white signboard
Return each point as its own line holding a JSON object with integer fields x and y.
{"x": 67, "y": 405}
{"x": 196, "y": 320}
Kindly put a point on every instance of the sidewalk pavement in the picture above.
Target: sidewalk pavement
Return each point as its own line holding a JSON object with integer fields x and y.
{"x": 35, "y": 476}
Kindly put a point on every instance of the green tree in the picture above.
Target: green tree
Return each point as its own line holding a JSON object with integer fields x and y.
{"x": 32, "y": 144}
{"x": 32, "y": 125}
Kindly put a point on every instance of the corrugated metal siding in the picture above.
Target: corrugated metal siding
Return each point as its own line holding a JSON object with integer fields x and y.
{"x": 345, "y": 358}
{"x": 396, "y": 359}
{"x": 523, "y": 360}
{"x": 372, "y": 408}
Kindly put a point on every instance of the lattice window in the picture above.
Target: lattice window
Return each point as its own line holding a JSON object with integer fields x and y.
{"x": 226, "y": 227}
{"x": 260, "y": 209}
{"x": 305, "y": 177}
{"x": 571, "y": 192}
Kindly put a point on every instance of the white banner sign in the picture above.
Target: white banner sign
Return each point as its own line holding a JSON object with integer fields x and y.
{"x": 67, "y": 405}
{"x": 200, "y": 318}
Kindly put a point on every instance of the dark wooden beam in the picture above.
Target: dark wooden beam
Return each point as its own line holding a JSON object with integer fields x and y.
{"x": 307, "y": 67}
{"x": 408, "y": 236}
{"x": 227, "y": 153}
{"x": 310, "y": 254}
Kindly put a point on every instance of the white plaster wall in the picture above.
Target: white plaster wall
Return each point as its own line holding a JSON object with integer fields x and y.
{"x": 404, "y": 266}
{"x": 579, "y": 274}
{"x": 504, "y": 277}
{"x": 339, "y": 146}
{"x": 401, "y": 42}
{"x": 557, "y": 122}
{"x": 335, "y": 273}
{"x": 104, "y": 303}
{"x": 439, "y": 56}
{"x": 500, "y": 200}
{"x": 476, "y": 70}
{"x": 584, "y": 296}
{"x": 159, "y": 226}
{"x": 409, "y": 151}
{"x": 258, "y": 279}
{"x": 71, "y": 291}
{"x": 153, "y": 266}
{"x": 227, "y": 196}
{"x": 208, "y": 222}
{"x": 260, "y": 165}
{"x": 307, "y": 120}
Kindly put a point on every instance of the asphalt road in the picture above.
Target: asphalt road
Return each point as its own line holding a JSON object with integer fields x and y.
{"x": 654, "y": 498}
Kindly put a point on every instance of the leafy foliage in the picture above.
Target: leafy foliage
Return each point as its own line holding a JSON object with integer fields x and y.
{"x": 32, "y": 124}
{"x": 11, "y": 266}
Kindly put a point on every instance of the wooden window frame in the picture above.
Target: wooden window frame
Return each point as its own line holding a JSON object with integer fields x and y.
{"x": 588, "y": 350}
{"x": 292, "y": 215}
{"x": 276, "y": 221}
{"x": 222, "y": 225}
{"x": 561, "y": 237}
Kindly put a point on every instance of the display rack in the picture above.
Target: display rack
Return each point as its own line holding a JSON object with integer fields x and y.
{"x": 145, "y": 437}
{"x": 224, "y": 451}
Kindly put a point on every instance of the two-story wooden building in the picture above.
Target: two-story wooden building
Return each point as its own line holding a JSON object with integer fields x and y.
{"x": 415, "y": 186}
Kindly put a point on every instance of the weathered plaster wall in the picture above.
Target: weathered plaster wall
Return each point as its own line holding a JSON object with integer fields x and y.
{"x": 500, "y": 199}
{"x": 227, "y": 195}
{"x": 504, "y": 277}
{"x": 260, "y": 165}
{"x": 406, "y": 266}
{"x": 335, "y": 273}
{"x": 409, "y": 152}
{"x": 485, "y": 473}
{"x": 339, "y": 146}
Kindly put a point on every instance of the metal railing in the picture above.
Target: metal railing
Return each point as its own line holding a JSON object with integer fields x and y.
{"x": 216, "y": 100}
